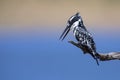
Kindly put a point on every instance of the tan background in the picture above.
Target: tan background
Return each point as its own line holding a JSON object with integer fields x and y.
{"x": 26, "y": 13}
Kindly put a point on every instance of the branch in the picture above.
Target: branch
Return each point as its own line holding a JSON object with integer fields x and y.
{"x": 109, "y": 56}
{"x": 102, "y": 57}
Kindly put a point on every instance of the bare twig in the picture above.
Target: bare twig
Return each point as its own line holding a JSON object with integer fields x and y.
{"x": 102, "y": 56}
{"x": 109, "y": 56}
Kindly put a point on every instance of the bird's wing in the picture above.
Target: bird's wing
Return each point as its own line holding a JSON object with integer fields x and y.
{"x": 109, "y": 56}
{"x": 85, "y": 38}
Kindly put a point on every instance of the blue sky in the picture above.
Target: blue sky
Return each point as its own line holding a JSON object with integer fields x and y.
{"x": 37, "y": 57}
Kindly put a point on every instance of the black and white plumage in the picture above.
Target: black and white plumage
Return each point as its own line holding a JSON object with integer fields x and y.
{"x": 84, "y": 38}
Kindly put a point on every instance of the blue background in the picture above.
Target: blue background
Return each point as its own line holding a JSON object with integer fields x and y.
{"x": 30, "y": 55}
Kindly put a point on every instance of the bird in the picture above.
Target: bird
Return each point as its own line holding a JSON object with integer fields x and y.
{"x": 84, "y": 38}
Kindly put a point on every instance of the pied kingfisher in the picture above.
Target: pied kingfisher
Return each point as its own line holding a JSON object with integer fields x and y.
{"x": 84, "y": 38}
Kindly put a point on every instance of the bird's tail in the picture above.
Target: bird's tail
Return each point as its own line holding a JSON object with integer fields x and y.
{"x": 95, "y": 57}
{"x": 97, "y": 61}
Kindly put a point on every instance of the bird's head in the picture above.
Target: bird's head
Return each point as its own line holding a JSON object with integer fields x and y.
{"x": 75, "y": 18}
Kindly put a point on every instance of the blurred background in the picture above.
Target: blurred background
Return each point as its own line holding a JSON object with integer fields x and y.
{"x": 30, "y": 48}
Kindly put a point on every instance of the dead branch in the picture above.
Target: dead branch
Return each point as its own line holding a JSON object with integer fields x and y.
{"x": 102, "y": 56}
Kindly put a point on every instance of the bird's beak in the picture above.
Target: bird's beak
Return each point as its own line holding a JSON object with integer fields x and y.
{"x": 65, "y": 32}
